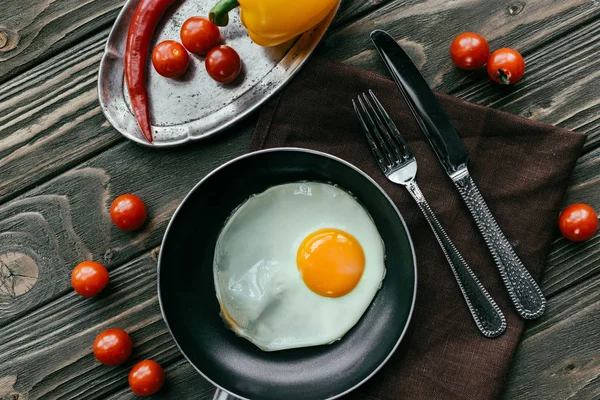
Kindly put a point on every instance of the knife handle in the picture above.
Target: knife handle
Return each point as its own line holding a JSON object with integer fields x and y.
{"x": 487, "y": 315}
{"x": 523, "y": 291}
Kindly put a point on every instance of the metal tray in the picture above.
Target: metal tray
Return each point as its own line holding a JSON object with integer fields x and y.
{"x": 194, "y": 106}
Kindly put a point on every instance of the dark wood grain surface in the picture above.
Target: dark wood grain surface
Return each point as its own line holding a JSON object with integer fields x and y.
{"x": 61, "y": 164}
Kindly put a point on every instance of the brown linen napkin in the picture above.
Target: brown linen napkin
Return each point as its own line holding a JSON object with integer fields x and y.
{"x": 522, "y": 169}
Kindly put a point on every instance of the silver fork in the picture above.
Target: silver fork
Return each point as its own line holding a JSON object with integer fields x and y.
{"x": 398, "y": 163}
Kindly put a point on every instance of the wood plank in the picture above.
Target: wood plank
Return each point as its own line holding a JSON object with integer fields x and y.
{"x": 49, "y": 354}
{"x": 35, "y": 30}
{"x": 352, "y": 9}
{"x": 426, "y": 28}
{"x": 50, "y": 118}
{"x": 559, "y": 356}
{"x": 183, "y": 382}
{"x": 32, "y": 31}
{"x": 65, "y": 221}
{"x": 569, "y": 263}
{"x": 561, "y": 85}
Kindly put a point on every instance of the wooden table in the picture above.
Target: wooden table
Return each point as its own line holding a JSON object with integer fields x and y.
{"x": 61, "y": 164}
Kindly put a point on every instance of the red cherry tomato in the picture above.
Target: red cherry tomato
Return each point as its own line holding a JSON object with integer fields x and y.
{"x": 578, "y": 222}
{"x": 199, "y": 35}
{"x": 89, "y": 278}
{"x": 113, "y": 347}
{"x": 506, "y": 66}
{"x": 146, "y": 378}
{"x": 170, "y": 59}
{"x": 128, "y": 212}
{"x": 469, "y": 51}
{"x": 223, "y": 64}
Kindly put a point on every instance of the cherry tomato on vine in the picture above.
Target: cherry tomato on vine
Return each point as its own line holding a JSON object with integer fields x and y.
{"x": 113, "y": 347}
{"x": 469, "y": 51}
{"x": 578, "y": 222}
{"x": 89, "y": 278}
{"x": 199, "y": 35}
{"x": 223, "y": 64}
{"x": 506, "y": 66}
{"x": 170, "y": 59}
{"x": 146, "y": 378}
{"x": 128, "y": 212}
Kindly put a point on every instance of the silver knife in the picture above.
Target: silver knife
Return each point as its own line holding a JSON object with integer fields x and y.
{"x": 523, "y": 291}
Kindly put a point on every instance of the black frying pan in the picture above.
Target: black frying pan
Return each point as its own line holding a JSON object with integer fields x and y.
{"x": 190, "y": 308}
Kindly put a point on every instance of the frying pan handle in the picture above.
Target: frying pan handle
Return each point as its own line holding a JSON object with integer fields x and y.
{"x": 223, "y": 395}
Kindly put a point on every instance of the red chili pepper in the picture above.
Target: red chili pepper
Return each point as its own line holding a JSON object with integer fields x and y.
{"x": 144, "y": 21}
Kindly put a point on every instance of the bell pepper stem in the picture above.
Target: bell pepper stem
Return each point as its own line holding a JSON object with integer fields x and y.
{"x": 219, "y": 14}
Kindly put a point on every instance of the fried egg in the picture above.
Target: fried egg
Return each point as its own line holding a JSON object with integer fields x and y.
{"x": 297, "y": 266}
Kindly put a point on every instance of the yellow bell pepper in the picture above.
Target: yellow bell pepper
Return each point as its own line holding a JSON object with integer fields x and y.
{"x": 272, "y": 22}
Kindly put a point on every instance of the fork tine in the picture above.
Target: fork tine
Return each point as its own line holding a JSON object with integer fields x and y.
{"x": 392, "y": 129}
{"x": 377, "y": 128}
{"x": 396, "y": 149}
{"x": 376, "y": 151}
{"x": 376, "y": 135}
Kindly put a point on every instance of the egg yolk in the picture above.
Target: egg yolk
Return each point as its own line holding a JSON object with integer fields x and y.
{"x": 331, "y": 262}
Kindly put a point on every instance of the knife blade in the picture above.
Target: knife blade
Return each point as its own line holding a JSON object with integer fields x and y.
{"x": 524, "y": 292}
{"x": 425, "y": 107}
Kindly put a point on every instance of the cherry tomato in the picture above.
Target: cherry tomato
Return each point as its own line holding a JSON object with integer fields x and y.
{"x": 469, "y": 51}
{"x": 199, "y": 35}
{"x": 146, "y": 378}
{"x": 89, "y": 278}
{"x": 170, "y": 59}
{"x": 578, "y": 222}
{"x": 223, "y": 64}
{"x": 506, "y": 66}
{"x": 128, "y": 212}
{"x": 113, "y": 347}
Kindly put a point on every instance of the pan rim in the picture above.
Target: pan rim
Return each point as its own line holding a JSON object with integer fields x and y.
{"x": 318, "y": 153}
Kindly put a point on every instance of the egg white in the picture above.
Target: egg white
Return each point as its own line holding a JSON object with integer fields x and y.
{"x": 262, "y": 295}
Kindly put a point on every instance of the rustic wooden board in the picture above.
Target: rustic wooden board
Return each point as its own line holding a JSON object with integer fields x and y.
{"x": 48, "y": 354}
{"x": 559, "y": 357}
{"x": 50, "y": 123}
{"x": 569, "y": 94}
{"x": 426, "y": 28}
{"x": 66, "y": 221}
{"x": 32, "y": 31}
{"x": 570, "y": 263}
{"x": 184, "y": 383}
{"x": 53, "y": 106}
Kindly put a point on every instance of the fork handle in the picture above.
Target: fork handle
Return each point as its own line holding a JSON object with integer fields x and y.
{"x": 522, "y": 289}
{"x": 486, "y": 313}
